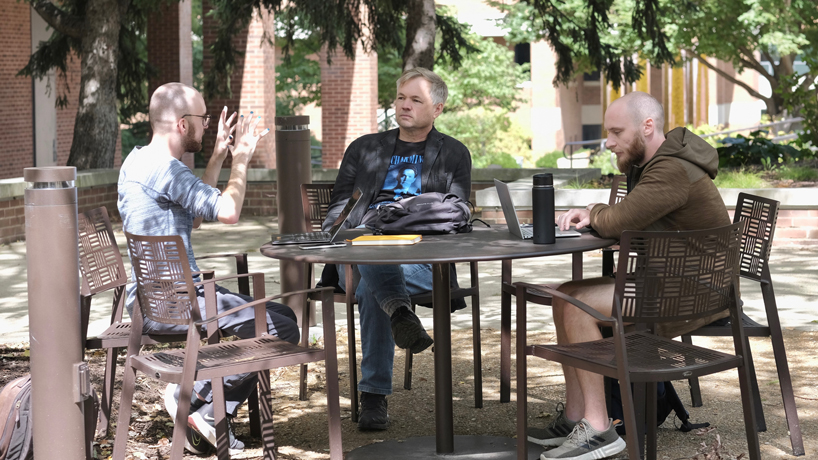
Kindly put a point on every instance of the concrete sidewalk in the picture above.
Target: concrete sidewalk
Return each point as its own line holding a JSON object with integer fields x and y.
{"x": 794, "y": 269}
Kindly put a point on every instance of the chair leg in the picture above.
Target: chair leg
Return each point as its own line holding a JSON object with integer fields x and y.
{"x": 220, "y": 415}
{"x": 353, "y": 361}
{"x": 639, "y": 404}
{"x": 761, "y": 422}
{"x": 126, "y": 399}
{"x": 693, "y": 382}
{"x": 407, "y": 371}
{"x": 478, "y": 355}
{"x": 266, "y": 409}
{"x": 255, "y": 416}
{"x": 505, "y": 336}
{"x": 650, "y": 420}
{"x": 783, "y": 368}
{"x": 302, "y": 387}
{"x": 107, "y": 392}
{"x": 749, "y": 413}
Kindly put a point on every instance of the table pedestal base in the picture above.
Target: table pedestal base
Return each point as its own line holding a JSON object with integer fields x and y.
{"x": 465, "y": 447}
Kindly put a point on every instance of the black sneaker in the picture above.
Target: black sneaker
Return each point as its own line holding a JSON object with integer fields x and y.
{"x": 193, "y": 441}
{"x": 373, "y": 416}
{"x": 408, "y": 332}
{"x": 586, "y": 443}
{"x": 203, "y": 422}
{"x": 555, "y": 433}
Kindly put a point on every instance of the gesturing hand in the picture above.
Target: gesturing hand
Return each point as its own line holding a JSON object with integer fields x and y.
{"x": 246, "y": 139}
{"x": 224, "y": 136}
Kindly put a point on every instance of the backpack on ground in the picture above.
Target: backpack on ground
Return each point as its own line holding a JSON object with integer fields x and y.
{"x": 15, "y": 415}
{"x": 667, "y": 401}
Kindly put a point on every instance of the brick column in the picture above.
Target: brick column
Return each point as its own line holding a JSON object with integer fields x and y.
{"x": 556, "y": 113}
{"x": 349, "y": 102}
{"x": 17, "y": 135}
{"x": 252, "y": 84}
{"x": 170, "y": 49}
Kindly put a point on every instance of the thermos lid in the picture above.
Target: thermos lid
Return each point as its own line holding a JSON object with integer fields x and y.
{"x": 544, "y": 179}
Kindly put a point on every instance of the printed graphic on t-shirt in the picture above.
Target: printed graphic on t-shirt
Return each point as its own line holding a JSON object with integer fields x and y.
{"x": 403, "y": 176}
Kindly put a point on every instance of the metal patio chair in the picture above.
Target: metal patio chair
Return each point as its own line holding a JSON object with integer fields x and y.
{"x": 760, "y": 216}
{"x": 315, "y": 199}
{"x": 102, "y": 269}
{"x": 661, "y": 276}
{"x": 166, "y": 293}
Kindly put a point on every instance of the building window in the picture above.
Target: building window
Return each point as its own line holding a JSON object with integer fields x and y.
{"x": 591, "y": 132}
{"x": 592, "y": 76}
{"x": 522, "y": 53}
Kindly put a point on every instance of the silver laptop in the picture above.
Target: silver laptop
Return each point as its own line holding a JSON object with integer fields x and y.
{"x": 525, "y": 232}
{"x": 322, "y": 237}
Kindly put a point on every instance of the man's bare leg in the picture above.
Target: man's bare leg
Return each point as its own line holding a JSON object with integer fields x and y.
{"x": 584, "y": 391}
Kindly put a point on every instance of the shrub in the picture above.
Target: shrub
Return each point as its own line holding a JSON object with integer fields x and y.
{"x": 491, "y": 137}
{"x": 549, "y": 160}
{"x": 757, "y": 150}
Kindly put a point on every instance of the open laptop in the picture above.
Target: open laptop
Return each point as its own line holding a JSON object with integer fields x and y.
{"x": 525, "y": 232}
{"x": 322, "y": 237}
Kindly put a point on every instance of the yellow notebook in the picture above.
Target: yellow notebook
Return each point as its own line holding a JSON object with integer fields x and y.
{"x": 385, "y": 240}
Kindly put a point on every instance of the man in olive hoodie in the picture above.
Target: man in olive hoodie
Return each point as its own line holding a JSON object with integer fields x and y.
{"x": 670, "y": 187}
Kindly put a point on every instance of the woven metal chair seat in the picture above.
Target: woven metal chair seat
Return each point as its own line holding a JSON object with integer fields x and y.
{"x": 650, "y": 358}
{"x": 259, "y": 353}
{"x": 751, "y": 327}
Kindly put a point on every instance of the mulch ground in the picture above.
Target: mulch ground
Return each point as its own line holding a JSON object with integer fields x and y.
{"x": 301, "y": 426}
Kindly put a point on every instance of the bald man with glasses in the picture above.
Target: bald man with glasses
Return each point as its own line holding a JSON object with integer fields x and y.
{"x": 159, "y": 196}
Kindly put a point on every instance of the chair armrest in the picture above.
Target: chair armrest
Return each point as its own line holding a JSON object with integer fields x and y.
{"x": 228, "y": 277}
{"x": 256, "y": 302}
{"x": 206, "y": 274}
{"x": 236, "y": 255}
{"x": 581, "y": 305}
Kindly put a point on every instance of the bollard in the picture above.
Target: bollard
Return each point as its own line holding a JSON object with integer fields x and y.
{"x": 292, "y": 170}
{"x": 60, "y": 381}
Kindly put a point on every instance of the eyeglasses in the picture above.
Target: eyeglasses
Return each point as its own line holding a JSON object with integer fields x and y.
{"x": 205, "y": 118}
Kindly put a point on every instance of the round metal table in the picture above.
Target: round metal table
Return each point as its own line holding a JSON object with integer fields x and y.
{"x": 482, "y": 244}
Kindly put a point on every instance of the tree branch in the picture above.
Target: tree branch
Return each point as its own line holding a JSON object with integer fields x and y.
{"x": 752, "y": 63}
{"x": 729, "y": 77}
{"x": 61, "y": 21}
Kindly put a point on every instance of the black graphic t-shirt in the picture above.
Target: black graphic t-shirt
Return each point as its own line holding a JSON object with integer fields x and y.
{"x": 403, "y": 177}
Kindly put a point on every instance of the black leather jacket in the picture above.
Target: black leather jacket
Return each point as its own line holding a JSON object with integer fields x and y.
{"x": 446, "y": 169}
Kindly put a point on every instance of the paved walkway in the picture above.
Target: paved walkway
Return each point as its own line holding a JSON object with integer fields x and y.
{"x": 794, "y": 269}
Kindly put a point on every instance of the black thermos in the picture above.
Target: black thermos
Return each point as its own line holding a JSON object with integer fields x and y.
{"x": 542, "y": 205}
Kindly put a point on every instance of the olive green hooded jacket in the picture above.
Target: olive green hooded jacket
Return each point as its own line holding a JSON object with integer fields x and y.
{"x": 672, "y": 191}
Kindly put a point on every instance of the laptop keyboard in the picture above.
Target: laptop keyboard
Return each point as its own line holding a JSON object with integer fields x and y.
{"x": 527, "y": 231}
{"x": 308, "y": 237}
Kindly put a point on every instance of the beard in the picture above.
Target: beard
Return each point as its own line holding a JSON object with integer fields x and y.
{"x": 190, "y": 143}
{"x": 634, "y": 155}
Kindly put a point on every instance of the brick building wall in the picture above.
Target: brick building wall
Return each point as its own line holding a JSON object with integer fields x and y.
{"x": 349, "y": 102}
{"x": 16, "y": 137}
{"x": 252, "y": 84}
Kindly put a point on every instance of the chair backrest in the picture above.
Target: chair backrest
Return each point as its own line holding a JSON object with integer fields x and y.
{"x": 759, "y": 215}
{"x": 101, "y": 263}
{"x": 619, "y": 189}
{"x": 315, "y": 200}
{"x": 674, "y": 276}
{"x": 164, "y": 285}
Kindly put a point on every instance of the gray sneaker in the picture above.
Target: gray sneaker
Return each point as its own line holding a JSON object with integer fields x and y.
{"x": 586, "y": 443}
{"x": 555, "y": 433}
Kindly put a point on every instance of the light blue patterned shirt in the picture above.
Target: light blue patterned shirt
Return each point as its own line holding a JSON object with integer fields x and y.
{"x": 159, "y": 195}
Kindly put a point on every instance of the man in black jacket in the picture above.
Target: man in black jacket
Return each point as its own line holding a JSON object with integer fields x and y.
{"x": 375, "y": 163}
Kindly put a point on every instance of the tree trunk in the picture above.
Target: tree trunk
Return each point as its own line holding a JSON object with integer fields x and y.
{"x": 421, "y": 25}
{"x": 96, "y": 127}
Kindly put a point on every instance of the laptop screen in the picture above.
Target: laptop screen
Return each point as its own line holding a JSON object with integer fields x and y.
{"x": 339, "y": 222}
